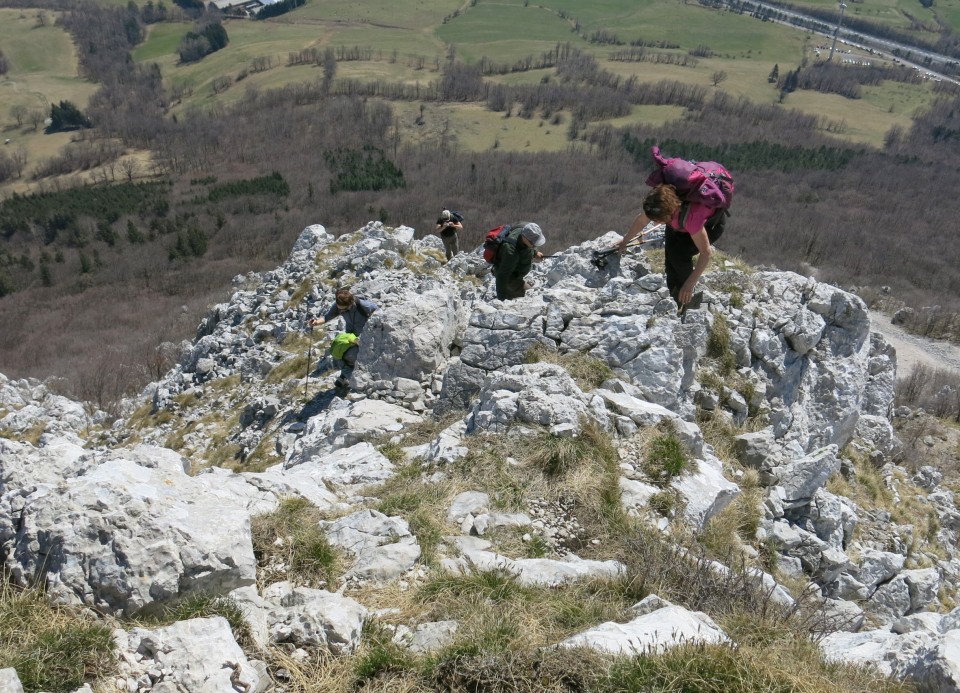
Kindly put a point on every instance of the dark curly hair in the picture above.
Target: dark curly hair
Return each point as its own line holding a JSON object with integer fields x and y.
{"x": 661, "y": 203}
{"x": 344, "y": 298}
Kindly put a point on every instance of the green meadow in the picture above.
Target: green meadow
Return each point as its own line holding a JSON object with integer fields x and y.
{"x": 418, "y": 15}
{"x": 412, "y": 39}
{"x": 43, "y": 62}
{"x": 43, "y": 70}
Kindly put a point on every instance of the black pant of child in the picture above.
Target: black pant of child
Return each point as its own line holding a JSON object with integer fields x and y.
{"x": 679, "y": 250}
{"x": 349, "y": 362}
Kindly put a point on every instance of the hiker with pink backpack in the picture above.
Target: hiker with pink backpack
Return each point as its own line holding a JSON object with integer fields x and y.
{"x": 692, "y": 199}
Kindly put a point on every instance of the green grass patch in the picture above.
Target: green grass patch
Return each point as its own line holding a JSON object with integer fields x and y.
{"x": 507, "y": 32}
{"x": 558, "y": 455}
{"x": 415, "y": 15}
{"x": 300, "y": 293}
{"x": 725, "y": 669}
{"x": 719, "y": 345}
{"x": 665, "y": 458}
{"x": 53, "y": 648}
{"x": 379, "y": 656}
{"x": 162, "y": 41}
{"x": 43, "y": 69}
{"x": 421, "y": 504}
{"x": 291, "y": 536}
{"x": 301, "y": 349}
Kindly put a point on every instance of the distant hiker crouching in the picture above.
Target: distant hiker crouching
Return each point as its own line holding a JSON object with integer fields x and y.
{"x": 449, "y": 225}
{"x": 515, "y": 257}
{"x": 355, "y": 312}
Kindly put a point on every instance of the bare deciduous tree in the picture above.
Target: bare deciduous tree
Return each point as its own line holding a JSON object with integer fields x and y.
{"x": 129, "y": 167}
{"x": 221, "y": 84}
{"x": 20, "y": 160}
{"x": 19, "y": 113}
{"x": 718, "y": 76}
{"x": 37, "y": 117}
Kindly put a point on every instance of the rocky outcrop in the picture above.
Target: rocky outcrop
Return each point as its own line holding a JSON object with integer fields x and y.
{"x": 125, "y": 528}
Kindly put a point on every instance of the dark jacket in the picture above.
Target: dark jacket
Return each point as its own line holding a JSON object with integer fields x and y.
{"x": 514, "y": 260}
{"x": 355, "y": 317}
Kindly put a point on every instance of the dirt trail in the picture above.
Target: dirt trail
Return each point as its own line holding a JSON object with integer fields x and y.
{"x": 912, "y": 349}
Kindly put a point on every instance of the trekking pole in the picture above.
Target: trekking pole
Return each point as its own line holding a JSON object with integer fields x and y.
{"x": 652, "y": 236}
{"x": 306, "y": 381}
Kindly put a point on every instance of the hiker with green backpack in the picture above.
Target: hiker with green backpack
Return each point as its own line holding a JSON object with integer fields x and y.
{"x": 355, "y": 312}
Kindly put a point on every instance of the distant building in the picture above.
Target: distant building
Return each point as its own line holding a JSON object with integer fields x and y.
{"x": 240, "y": 8}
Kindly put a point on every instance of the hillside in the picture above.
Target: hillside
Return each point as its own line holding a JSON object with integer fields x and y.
{"x": 184, "y": 186}
{"x": 575, "y": 491}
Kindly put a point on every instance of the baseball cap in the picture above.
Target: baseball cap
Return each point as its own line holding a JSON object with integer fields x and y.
{"x": 533, "y": 234}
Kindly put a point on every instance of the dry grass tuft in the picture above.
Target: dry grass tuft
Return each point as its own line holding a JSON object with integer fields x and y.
{"x": 588, "y": 372}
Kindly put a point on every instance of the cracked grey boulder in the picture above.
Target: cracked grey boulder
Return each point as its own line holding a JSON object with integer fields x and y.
{"x": 80, "y": 537}
{"x": 534, "y": 572}
{"x": 800, "y": 479}
{"x": 348, "y": 424}
{"x": 313, "y": 618}
{"x": 493, "y": 340}
{"x": 344, "y": 469}
{"x": 705, "y": 490}
{"x": 538, "y": 393}
{"x": 9, "y": 681}
{"x": 301, "y": 616}
{"x": 382, "y": 546}
{"x": 410, "y": 339}
{"x": 425, "y": 638}
{"x": 200, "y": 654}
{"x": 899, "y": 656}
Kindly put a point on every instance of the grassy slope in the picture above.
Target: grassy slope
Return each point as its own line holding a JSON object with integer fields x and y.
{"x": 43, "y": 70}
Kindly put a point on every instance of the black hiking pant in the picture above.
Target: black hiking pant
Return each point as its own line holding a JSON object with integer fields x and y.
{"x": 349, "y": 363}
{"x": 679, "y": 250}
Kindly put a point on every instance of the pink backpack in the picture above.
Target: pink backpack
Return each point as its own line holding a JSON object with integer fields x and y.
{"x": 701, "y": 182}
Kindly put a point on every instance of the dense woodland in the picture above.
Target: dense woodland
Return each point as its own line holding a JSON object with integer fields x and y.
{"x": 94, "y": 281}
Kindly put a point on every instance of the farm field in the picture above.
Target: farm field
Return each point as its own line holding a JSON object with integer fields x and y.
{"x": 411, "y": 40}
{"x": 43, "y": 70}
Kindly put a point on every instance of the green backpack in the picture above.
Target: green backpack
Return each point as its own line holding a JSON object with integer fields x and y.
{"x": 341, "y": 343}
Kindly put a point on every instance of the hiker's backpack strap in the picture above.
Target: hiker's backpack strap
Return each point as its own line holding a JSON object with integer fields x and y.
{"x": 684, "y": 211}
{"x": 364, "y": 311}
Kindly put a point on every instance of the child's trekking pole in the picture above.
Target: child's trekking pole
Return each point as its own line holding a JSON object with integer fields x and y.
{"x": 306, "y": 381}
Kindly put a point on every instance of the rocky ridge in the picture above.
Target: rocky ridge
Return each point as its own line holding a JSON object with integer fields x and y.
{"x": 161, "y": 505}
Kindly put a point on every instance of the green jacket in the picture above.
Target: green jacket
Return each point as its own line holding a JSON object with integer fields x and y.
{"x": 514, "y": 260}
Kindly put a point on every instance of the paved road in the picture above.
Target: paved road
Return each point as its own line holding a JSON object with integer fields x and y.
{"x": 857, "y": 39}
